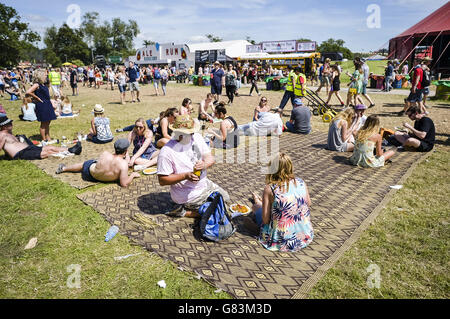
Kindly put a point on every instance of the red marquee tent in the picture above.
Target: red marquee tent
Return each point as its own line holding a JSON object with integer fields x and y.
{"x": 433, "y": 31}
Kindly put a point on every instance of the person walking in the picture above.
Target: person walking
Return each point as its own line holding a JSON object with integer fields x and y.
{"x": 164, "y": 79}
{"x": 324, "y": 74}
{"x": 366, "y": 72}
{"x": 44, "y": 108}
{"x": 335, "y": 85}
{"x": 74, "y": 81}
{"x": 230, "y": 83}
{"x": 253, "y": 78}
{"x": 217, "y": 81}
{"x": 289, "y": 92}
{"x": 133, "y": 81}
{"x": 121, "y": 78}
{"x": 55, "y": 81}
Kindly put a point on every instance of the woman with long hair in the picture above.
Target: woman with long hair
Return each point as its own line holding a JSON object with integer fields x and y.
{"x": 186, "y": 106}
{"x": 145, "y": 153}
{"x": 44, "y": 108}
{"x": 340, "y": 132}
{"x": 335, "y": 84}
{"x": 262, "y": 107}
{"x": 283, "y": 213}
{"x": 368, "y": 139}
{"x": 163, "y": 132}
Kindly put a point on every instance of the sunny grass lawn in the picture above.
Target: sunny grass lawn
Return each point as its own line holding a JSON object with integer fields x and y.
{"x": 410, "y": 244}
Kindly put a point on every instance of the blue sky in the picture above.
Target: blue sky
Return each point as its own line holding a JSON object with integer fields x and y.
{"x": 187, "y": 21}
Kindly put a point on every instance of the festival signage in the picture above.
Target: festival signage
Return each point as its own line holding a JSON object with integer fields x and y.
{"x": 201, "y": 56}
{"x": 279, "y": 46}
{"x": 173, "y": 52}
{"x": 221, "y": 56}
{"x": 253, "y": 48}
{"x": 306, "y": 46}
{"x": 424, "y": 52}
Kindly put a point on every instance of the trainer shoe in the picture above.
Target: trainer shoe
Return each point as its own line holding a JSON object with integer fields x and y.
{"x": 371, "y": 105}
{"x": 138, "y": 100}
{"x": 60, "y": 168}
{"x": 76, "y": 149}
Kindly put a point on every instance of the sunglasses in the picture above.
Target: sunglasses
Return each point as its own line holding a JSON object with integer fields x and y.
{"x": 263, "y": 100}
{"x": 139, "y": 127}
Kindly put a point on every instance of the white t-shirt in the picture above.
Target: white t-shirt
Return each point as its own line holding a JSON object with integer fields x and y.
{"x": 66, "y": 108}
{"x": 176, "y": 158}
{"x": 29, "y": 114}
{"x": 122, "y": 79}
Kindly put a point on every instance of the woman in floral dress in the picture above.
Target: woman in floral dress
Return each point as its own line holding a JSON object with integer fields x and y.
{"x": 283, "y": 213}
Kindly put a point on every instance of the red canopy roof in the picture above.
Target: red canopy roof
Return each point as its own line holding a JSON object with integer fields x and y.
{"x": 438, "y": 21}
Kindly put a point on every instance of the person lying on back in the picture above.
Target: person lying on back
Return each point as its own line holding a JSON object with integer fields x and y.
{"x": 107, "y": 168}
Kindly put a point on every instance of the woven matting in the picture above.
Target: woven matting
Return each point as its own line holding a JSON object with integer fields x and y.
{"x": 90, "y": 151}
{"x": 344, "y": 201}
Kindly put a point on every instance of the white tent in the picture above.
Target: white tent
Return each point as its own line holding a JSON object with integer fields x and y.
{"x": 376, "y": 57}
{"x": 233, "y": 49}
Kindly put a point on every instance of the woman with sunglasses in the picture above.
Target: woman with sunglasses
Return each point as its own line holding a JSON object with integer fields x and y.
{"x": 262, "y": 107}
{"x": 145, "y": 153}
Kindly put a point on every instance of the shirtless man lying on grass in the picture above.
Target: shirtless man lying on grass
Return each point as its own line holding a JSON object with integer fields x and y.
{"x": 107, "y": 168}
{"x": 16, "y": 149}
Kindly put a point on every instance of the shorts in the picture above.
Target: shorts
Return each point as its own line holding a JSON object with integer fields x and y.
{"x": 2, "y": 87}
{"x": 425, "y": 147}
{"x": 364, "y": 88}
{"x": 336, "y": 86}
{"x": 134, "y": 86}
{"x": 86, "y": 173}
{"x": 97, "y": 141}
{"x": 216, "y": 89}
{"x": 66, "y": 114}
{"x": 91, "y": 80}
{"x": 73, "y": 85}
{"x": 32, "y": 152}
{"x": 426, "y": 91}
{"x": 122, "y": 88}
{"x": 156, "y": 82}
{"x": 415, "y": 97}
{"x": 325, "y": 80}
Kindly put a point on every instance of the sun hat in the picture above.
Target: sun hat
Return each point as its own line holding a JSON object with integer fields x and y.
{"x": 121, "y": 145}
{"x": 360, "y": 107}
{"x": 298, "y": 101}
{"x": 98, "y": 108}
{"x": 4, "y": 120}
{"x": 185, "y": 124}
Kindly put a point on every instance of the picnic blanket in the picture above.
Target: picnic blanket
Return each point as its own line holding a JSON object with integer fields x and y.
{"x": 90, "y": 151}
{"x": 345, "y": 200}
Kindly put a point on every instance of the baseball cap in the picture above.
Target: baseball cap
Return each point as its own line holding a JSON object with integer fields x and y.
{"x": 298, "y": 101}
{"x": 121, "y": 145}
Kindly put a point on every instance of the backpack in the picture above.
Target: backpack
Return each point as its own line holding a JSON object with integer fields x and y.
{"x": 157, "y": 74}
{"x": 215, "y": 223}
{"x": 426, "y": 79}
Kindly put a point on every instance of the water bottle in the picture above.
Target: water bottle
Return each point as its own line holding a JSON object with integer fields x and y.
{"x": 112, "y": 231}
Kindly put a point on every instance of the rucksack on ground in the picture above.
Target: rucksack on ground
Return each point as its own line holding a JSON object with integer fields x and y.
{"x": 215, "y": 222}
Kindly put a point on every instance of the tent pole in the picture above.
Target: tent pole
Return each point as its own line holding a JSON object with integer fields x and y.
{"x": 414, "y": 48}
{"x": 441, "y": 54}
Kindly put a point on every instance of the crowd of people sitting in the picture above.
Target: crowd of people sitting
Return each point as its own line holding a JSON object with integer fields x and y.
{"x": 179, "y": 144}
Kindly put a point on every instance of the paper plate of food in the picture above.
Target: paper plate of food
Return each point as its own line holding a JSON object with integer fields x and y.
{"x": 150, "y": 171}
{"x": 240, "y": 209}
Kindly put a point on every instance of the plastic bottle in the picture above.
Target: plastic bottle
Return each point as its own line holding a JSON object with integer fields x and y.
{"x": 112, "y": 231}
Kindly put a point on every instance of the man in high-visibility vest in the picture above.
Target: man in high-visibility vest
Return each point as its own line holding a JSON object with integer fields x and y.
{"x": 289, "y": 93}
{"x": 55, "y": 81}
{"x": 300, "y": 85}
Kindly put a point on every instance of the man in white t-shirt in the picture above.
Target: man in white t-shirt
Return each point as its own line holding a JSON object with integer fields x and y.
{"x": 182, "y": 164}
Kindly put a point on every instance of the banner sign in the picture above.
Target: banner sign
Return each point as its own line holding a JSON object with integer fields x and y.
{"x": 201, "y": 56}
{"x": 280, "y": 46}
{"x": 254, "y": 48}
{"x": 424, "y": 52}
{"x": 221, "y": 56}
{"x": 306, "y": 46}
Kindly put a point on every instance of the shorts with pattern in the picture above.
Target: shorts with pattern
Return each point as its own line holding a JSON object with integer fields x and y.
{"x": 134, "y": 86}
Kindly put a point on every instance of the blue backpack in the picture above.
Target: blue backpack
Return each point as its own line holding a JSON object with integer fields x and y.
{"x": 157, "y": 74}
{"x": 215, "y": 223}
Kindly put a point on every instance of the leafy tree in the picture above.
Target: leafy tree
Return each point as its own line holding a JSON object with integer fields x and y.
{"x": 147, "y": 42}
{"x": 64, "y": 44}
{"x": 332, "y": 45}
{"x": 15, "y": 36}
{"x": 250, "y": 40}
{"x": 213, "y": 38}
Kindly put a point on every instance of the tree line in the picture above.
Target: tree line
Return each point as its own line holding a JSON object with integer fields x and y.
{"x": 94, "y": 37}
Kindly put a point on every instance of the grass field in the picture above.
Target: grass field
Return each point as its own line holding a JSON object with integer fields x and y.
{"x": 408, "y": 241}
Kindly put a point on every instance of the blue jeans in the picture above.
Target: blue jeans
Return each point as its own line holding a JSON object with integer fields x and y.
{"x": 258, "y": 217}
{"x": 290, "y": 127}
{"x": 287, "y": 95}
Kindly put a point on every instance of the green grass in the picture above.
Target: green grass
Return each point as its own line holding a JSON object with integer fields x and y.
{"x": 376, "y": 67}
{"x": 409, "y": 245}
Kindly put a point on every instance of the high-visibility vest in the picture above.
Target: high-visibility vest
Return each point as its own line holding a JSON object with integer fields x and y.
{"x": 291, "y": 78}
{"x": 55, "y": 78}
{"x": 298, "y": 86}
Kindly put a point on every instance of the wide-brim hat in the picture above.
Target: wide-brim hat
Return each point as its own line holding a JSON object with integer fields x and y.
{"x": 4, "y": 120}
{"x": 185, "y": 124}
{"x": 98, "y": 108}
{"x": 217, "y": 62}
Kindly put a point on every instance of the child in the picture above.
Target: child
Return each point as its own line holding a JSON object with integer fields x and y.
{"x": 100, "y": 132}
{"x": 56, "y": 102}
{"x": 66, "y": 109}
{"x": 98, "y": 78}
{"x": 368, "y": 139}
{"x": 283, "y": 213}
{"x": 28, "y": 110}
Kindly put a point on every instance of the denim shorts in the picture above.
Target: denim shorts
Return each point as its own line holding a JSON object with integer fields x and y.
{"x": 415, "y": 97}
{"x": 122, "y": 88}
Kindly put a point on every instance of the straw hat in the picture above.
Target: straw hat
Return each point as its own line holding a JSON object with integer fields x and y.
{"x": 185, "y": 124}
{"x": 98, "y": 108}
